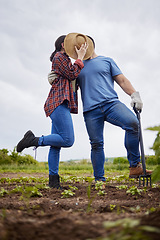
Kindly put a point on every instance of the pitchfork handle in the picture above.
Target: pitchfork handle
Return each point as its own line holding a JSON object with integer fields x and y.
{"x": 141, "y": 140}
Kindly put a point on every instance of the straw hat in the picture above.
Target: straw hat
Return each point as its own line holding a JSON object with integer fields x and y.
{"x": 77, "y": 39}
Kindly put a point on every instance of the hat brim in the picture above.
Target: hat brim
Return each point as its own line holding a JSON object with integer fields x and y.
{"x": 77, "y": 39}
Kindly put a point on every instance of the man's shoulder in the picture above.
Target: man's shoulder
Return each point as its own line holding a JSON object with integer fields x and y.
{"x": 105, "y": 58}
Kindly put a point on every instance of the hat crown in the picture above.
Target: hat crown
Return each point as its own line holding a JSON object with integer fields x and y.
{"x": 79, "y": 40}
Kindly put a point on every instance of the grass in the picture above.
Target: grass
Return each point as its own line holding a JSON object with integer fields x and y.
{"x": 65, "y": 168}
{"x": 40, "y": 167}
{"x": 69, "y": 168}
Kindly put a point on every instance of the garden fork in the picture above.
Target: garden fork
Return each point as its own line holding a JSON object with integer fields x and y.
{"x": 144, "y": 176}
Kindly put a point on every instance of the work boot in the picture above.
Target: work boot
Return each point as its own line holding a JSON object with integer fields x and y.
{"x": 54, "y": 182}
{"x": 29, "y": 140}
{"x": 135, "y": 172}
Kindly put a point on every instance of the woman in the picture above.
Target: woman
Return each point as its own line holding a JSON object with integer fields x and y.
{"x": 58, "y": 106}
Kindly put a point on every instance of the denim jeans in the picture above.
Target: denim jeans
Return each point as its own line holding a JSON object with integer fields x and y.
{"x": 117, "y": 114}
{"x": 62, "y": 135}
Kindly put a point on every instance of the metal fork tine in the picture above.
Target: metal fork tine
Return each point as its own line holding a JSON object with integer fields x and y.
{"x": 150, "y": 181}
{"x": 147, "y": 182}
{"x": 139, "y": 181}
{"x": 143, "y": 181}
{"x": 146, "y": 179}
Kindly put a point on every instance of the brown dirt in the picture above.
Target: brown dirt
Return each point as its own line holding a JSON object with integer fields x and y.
{"x": 52, "y": 217}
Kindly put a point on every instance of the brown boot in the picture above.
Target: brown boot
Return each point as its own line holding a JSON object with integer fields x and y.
{"x": 138, "y": 170}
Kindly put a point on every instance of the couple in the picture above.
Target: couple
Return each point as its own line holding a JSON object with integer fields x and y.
{"x": 95, "y": 76}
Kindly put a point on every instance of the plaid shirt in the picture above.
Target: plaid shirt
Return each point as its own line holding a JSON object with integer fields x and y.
{"x": 62, "y": 87}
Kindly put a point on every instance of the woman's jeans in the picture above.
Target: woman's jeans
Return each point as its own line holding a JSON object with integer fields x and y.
{"x": 62, "y": 135}
{"x": 117, "y": 114}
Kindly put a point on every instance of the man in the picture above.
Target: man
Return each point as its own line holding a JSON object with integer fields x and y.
{"x": 100, "y": 104}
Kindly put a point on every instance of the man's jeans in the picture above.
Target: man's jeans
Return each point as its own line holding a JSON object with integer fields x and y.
{"x": 62, "y": 135}
{"x": 117, "y": 114}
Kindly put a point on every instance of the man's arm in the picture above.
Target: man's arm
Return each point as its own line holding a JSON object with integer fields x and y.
{"x": 127, "y": 87}
{"x": 125, "y": 84}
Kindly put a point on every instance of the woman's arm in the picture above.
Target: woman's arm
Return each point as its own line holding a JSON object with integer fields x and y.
{"x": 63, "y": 64}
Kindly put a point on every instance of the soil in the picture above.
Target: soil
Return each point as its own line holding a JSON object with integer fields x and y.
{"x": 52, "y": 217}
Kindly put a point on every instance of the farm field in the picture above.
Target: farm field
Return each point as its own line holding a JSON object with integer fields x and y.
{"x": 82, "y": 210}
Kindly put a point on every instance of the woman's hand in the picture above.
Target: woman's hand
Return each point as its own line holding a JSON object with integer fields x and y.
{"x": 82, "y": 51}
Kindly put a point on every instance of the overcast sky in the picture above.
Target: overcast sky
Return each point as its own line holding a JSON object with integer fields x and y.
{"x": 126, "y": 30}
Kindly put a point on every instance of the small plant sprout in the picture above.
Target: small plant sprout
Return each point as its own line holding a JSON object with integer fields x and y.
{"x": 73, "y": 188}
{"x": 136, "y": 209}
{"x": 41, "y": 186}
{"x": 17, "y": 189}
{"x": 30, "y": 191}
{"x": 122, "y": 187}
{"x": 101, "y": 193}
{"x": 99, "y": 185}
{"x": 154, "y": 185}
{"x": 67, "y": 193}
{"x": 134, "y": 190}
{"x": 112, "y": 207}
{"x": 3, "y": 192}
{"x": 152, "y": 209}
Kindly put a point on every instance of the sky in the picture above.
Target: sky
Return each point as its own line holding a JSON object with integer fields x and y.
{"x": 126, "y": 30}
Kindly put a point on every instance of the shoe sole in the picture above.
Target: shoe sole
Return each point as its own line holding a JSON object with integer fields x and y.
{"x": 133, "y": 176}
{"x": 137, "y": 176}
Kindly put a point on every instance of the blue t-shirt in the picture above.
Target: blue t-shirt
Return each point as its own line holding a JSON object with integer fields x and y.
{"x": 96, "y": 82}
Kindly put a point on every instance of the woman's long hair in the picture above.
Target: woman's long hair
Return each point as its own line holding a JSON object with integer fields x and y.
{"x": 58, "y": 46}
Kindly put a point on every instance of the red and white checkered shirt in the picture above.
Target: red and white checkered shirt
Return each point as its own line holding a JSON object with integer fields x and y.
{"x": 62, "y": 87}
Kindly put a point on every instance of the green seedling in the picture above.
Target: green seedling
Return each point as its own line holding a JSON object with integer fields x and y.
{"x": 112, "y": 207}
{"x": 3, "y": 192}
{"x": 17, "y": 189}
{"x": 121, "y": 178}
{"x": 136, "y": 209}
{"x": 3, "y": 180}
{"x": 134, "y": 190}
{"x": 27, "y": 191}
{"x": 152, "y": 209}
{"x": 101, "y": 193}
{"x": 77, "y": 179}
{"x": 73, "y": 188}
{"x": 122, "y": 187}
{"x": 89, "y": 179}
{"x": 99, "y": 185}
{"x": 41, "y": 186}
{"x": 30, "y": 191}
{"x": 108, "y": 179}
{"x": 70, "y": 192}
{"x": 154, "y": 185}
{"x": 67, "y": 179}
{"x": 67, "y": 193}
{"x": 23, "y": 180}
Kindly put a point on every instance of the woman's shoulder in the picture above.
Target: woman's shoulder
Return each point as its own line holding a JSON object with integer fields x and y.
{"x": 61, "y": 55}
